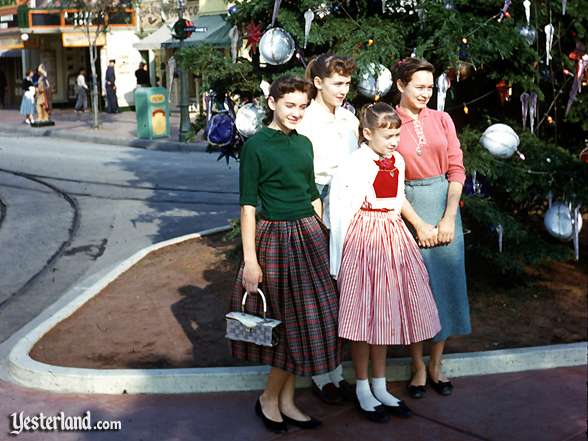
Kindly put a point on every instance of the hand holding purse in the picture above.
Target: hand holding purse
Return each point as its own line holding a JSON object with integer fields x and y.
{"x": 250, "y": 328}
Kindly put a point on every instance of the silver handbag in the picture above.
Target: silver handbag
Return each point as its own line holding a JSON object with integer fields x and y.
{"x": 250, "y": 328}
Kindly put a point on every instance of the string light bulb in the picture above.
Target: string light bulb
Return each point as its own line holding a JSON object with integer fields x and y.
{"x": 464, "y": 40}
{"x": 550, "y": 120}
{"x": 465, "y": 109}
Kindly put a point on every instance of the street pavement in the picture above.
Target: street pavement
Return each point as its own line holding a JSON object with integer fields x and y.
{"x": 73, "y": 208}
{"x": 115, "y": 129}
{"x": 546, "y": 405}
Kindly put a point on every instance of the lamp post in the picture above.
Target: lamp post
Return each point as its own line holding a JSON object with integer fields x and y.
{"x": 184, "y": 118}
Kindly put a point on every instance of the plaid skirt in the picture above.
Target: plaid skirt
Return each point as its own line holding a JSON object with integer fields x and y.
{"x": 293, "y": 256}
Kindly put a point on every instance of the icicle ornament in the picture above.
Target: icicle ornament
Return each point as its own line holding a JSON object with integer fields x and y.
{"x": 443, "y": 85}
{"x": 234, "y": 36}
{"x": 524, "y": 107}
{"x": 500, "y": 231}
{"x": 532, "y": 111}
{"x": 308, "y": 18}
{"x": 527, "y": 6}
{"x": 549, "y": 31}
{"x": 577, "y": 84}
{"x": 576, "y": 227}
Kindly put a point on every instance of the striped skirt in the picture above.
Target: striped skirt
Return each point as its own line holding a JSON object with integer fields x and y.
{"x": 445, "y": 264}
{"x": 293, "y": 256}
{"x": 384, "y": 292}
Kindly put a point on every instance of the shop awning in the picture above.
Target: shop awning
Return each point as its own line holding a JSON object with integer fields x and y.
{"x": 210, "y": 29}
{"x": 10, "y": 53}
{"x": 154, "y": 40}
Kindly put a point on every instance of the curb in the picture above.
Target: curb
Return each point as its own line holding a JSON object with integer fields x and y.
{"x": 30, "y": 373}
{"x": 167, "y": 146}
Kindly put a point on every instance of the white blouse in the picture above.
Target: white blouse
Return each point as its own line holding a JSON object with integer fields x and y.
{"x": 333, "y": 137}
{"x": 352, "y": 187}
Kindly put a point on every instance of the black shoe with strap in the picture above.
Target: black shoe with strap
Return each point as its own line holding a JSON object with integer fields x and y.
{"x": 347, "y": 391}
{"x": 329, "y": 394}
{"x": 400, "y": 410}
{"x": 378, "y": 415}
{"x": 444, "y": 388}
{"x": 416, "y": 391}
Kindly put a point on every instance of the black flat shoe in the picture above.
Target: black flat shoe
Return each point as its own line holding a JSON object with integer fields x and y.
{"x": 329, "y": 394}
{"x": 401, "y": 410}
{"x": 347, "y": 391}
{"x": 444, "y": 388}
{"x": 310, "y": 424}
{"x": 378, "y": 415}
{"x": 416, "y": 392}
{"x": 271, "y": 425}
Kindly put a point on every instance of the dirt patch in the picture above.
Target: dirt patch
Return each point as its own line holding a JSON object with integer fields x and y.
{"x": 168, "y": 312}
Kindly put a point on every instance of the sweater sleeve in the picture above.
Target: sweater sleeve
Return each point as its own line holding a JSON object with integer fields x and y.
{"x": 455, "y": 168}
{"x": 314, "y": 194}
{"x": 248, "y": 174}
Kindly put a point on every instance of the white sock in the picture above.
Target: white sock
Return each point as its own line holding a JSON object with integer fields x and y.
{"x": 381, "y": 392}
{"x": 321, "y": 380}
{"x": 336, "y": 375}
{"x": 367, "y": 401}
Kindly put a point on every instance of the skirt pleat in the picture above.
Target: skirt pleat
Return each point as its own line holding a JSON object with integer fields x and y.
{"x": 384, "y": 292}
{"x": 293, "y": 256}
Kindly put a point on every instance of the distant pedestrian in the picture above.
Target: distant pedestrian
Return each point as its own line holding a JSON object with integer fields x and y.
{"x": 142, "y": 75}
{"x": 3, "y": 88}
{"x": 81, "y": 91}
{"x": 27, "y": 105}
{"x": 110, "y": 83}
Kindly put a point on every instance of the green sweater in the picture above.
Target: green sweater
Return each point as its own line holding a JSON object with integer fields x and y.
{"x": 278, "y": 168}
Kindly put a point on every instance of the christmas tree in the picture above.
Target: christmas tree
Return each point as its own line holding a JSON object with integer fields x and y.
{"x": 522, "y": 64}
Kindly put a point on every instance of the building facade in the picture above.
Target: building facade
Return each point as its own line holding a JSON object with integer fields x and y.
{"x": 45, "y": 31}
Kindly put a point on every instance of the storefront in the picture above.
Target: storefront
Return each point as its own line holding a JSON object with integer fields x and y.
{"x": 11, "y": 47}
{"x": 52, "y": 36}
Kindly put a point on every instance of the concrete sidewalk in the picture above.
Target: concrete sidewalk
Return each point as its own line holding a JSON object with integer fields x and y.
{"x": 116, "y": 129}
{"x": 546, "y": 405}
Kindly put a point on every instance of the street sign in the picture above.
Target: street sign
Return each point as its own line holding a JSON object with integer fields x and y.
{"x": 183, "y": 29}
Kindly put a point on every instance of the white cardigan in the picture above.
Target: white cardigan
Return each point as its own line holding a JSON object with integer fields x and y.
{"x": 351, "y": 186}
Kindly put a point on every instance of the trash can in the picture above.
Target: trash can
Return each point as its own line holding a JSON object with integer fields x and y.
{"x": 152, "y": 112}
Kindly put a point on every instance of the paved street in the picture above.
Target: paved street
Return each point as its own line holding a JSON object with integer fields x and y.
{"x": 71, "y": 209}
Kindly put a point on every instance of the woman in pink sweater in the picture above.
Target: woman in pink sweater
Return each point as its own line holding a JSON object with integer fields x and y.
{"x": 434, "y": 180}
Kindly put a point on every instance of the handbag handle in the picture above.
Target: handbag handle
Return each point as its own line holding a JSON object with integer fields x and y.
{"x": 262, "y": 298}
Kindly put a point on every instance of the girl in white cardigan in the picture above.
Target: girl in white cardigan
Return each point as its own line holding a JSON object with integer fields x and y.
{"x": 385, "y": 298}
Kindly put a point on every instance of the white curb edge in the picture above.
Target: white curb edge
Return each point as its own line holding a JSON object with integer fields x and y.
{"x": 30, "y": 373}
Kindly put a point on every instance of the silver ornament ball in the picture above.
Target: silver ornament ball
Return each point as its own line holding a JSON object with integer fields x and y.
{"x": 249, "y": 119}
{"x": 500, "y": 140}
{"x": 528, "y": 33}
{"x": 375, "y": 80}
{"x": 276, "y": 46}
{"x": 558, "y": 221}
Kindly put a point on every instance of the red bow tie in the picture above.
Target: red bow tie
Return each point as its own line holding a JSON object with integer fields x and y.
{"x": 386, "y": 164}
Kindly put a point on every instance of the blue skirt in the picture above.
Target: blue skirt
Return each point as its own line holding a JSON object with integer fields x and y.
{"x": 445, "y": 264}
{"x": 27, "y": 106}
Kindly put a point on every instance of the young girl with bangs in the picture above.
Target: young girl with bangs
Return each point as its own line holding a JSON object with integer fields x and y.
{"x": 384, "y": 292}
{"x": 286, "y": 254}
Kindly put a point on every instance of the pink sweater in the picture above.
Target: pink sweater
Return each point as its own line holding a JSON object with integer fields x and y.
{"x": 441, "y": 154}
